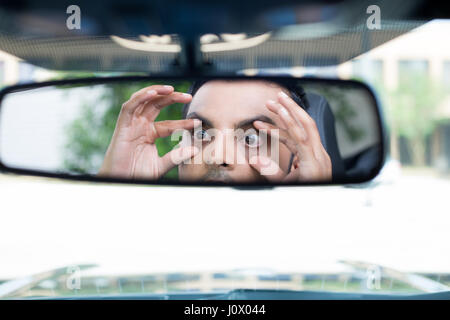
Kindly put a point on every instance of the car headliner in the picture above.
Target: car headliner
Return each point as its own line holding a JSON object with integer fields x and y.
{"x": 302, "y": 33}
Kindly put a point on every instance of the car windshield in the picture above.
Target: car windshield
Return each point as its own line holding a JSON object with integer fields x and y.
{"x": 389, "y": 235}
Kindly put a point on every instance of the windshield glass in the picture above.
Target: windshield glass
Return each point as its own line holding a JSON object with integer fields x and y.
{"x": 386, "y": 236}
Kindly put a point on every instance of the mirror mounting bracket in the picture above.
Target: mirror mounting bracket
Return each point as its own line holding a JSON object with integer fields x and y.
{"x": 191, "y": 59}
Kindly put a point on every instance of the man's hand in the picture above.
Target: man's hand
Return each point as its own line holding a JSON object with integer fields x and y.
{"x": 311, "y": 161}
{"x": 132, "y": 152}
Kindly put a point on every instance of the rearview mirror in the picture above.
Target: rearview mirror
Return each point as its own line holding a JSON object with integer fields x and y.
{"x": 228, "y": 130}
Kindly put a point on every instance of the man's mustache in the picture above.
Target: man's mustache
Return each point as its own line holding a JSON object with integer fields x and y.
{"x": 217, "y": 175}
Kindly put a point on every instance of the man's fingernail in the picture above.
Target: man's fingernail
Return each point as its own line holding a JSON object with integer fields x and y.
{"x": 186, "y": 95}
{"x": 271, "y": 102}
{"x": 284, "y": 111}
{"x": 151, "y": 92}
{"x": 168, "y": 87}
{"x": 281, "y": 94}
{"x": 197, "y": 123}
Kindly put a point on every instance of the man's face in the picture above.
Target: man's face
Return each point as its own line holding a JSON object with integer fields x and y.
{"x": 228, "y": 137}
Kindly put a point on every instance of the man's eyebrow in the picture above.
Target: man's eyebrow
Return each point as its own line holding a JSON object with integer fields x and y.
{"x": 250, "y": 121}
{"x": 195, "y": 115}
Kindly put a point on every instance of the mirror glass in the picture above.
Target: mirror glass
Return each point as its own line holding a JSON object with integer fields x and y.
{"x": 228, "y": 130}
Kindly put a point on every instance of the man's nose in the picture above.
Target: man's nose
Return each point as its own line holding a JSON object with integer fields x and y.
{"x": 223, "y": 149}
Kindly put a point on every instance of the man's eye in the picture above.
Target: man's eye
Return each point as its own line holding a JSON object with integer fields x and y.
{"x": 252, "y": 140}
{"x": 201, "y": 135}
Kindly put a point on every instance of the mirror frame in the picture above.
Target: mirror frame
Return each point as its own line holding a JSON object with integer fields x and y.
{"x": 103, "y": 80}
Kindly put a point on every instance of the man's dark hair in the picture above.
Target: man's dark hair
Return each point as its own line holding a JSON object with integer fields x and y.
{"x": 296, "y": 92}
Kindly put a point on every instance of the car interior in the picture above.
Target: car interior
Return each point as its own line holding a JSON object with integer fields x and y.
{"x": 111, "y": 95}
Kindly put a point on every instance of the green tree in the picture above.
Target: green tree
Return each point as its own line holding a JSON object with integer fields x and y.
{"x": 412, "y": 111}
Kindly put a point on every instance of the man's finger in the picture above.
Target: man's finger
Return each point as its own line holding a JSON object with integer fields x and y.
{"x": 162, "y": 129}
{"x": 293, "y": 127}
{"x": 176, "y": 156}
{"x": 267, "y": 168}
{"x": 144, "y": 95}
{"x": 138, "y": 100}
{"x": 277, "y": 133}
{"x": 302, "y": 144}
{"x": 152, "y": 107}
{"x": 312, "y": 131}
{"x": 304, "y": 119}
{"x": 160, "y": 89}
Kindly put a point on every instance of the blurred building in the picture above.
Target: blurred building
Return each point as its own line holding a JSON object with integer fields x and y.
{"x": 14, "y": 70}
{"x": 423, "y": 51}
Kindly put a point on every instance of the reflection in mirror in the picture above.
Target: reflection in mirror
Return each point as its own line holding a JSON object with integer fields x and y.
{"x": 217, "y": 130}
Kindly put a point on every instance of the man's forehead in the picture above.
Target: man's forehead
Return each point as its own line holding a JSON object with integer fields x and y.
{"x": 231, "y": 102}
